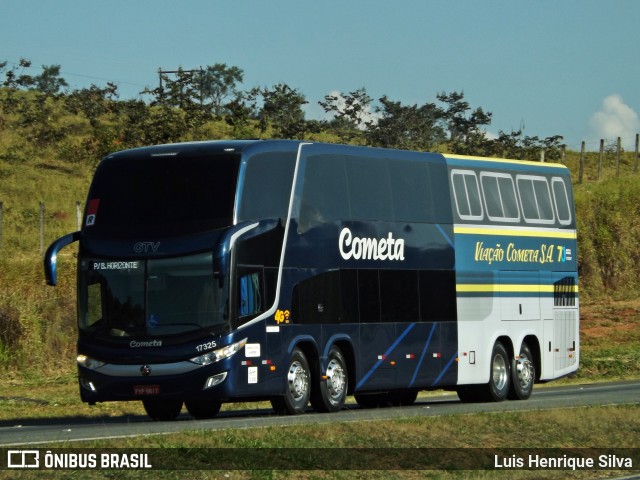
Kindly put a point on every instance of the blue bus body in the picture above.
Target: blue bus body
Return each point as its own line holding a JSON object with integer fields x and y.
{"x": 212, "y": 272}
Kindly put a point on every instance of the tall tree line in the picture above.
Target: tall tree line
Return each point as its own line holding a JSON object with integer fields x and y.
{"x": 186, "y": 101}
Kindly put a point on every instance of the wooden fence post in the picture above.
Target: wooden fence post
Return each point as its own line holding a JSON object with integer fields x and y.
{"x": 600, "y": 158}
{"x": 78, "y": 215}
{"x": 635, "y": 168}
{"x": 1, "y": 209}
{"x": 581, "y": 169}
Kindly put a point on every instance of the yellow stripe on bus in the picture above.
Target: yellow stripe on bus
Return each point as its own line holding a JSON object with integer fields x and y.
{"x": 503, "y": 160}
{"x": 509, "y": 288}
{"x": 571, "y": 234}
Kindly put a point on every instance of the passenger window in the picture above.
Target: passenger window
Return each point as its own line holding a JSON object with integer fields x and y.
{"x": 500, "y": 197}
{"x": 411, "y": 191}
{"x": 466, "y": 193}
{"x": 535, "y": 197}
{"x": 369, "y": 188}
{"x": 324, "y": 193}
{"x": 561, "y": 198}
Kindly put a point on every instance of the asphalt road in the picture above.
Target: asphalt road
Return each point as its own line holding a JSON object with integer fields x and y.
{"x": 21, "y": 432}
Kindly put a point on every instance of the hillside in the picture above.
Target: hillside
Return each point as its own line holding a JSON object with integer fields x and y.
{"x": 48, "y": 155}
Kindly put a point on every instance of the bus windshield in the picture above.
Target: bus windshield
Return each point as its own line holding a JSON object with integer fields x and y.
{"x": 162, "y": 195}
{"x": 151, "y": 298}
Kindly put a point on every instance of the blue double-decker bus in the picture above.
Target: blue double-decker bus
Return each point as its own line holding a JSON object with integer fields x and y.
{"x": 301, "y": 273}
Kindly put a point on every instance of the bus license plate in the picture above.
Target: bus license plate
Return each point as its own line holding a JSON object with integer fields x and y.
{"x": 146, "y": 389}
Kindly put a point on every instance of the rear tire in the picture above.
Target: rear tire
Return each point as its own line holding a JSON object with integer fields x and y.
{"x": 162, "y": 410}
{"x": 523, "y": 374}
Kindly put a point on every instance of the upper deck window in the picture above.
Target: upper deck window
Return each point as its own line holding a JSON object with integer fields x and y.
{"x": 163, "y": 196}
{"x": 561, "y": 197}
{"x": 535, "y": 198}
{"x": 467, "y": 194}
{"x": 266, "y": 187}
{"x": 500, "y": 197}
{"x": 344, "y": 187}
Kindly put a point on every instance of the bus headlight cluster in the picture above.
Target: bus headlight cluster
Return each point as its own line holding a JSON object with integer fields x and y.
{"x": 88, "y": 362}
{"x": 219, "y": 354}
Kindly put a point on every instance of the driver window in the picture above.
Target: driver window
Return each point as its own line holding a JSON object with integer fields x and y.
{"x": 250, "y": 294}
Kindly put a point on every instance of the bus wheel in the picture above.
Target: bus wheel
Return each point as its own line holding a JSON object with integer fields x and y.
{"x": 201, "y": 409}
{"x": 298, "y": 389}
{"x": 163, "y": 410}
{"x": 500, "y": 378}
{"x": 332, "y": 390}
{"x": 523, "y": 374}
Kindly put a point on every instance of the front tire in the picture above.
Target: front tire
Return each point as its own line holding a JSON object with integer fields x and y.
{"x": 298, "y": 388}
{"x": 331, "y": 392}
{"x": 162, "y": 410}
{"x": 201, "y": 409}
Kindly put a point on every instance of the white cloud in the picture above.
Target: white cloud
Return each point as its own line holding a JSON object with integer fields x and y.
{"x": 615, "y": 119}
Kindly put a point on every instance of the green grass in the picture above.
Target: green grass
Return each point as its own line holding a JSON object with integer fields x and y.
{"x": 188, "y": 453}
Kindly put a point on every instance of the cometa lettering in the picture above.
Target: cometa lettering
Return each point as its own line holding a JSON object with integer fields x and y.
{"x": 148, "y": 343}
{"x": 364, "y": 248}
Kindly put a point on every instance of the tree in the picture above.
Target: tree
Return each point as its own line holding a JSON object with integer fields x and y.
{"x": 351, "y": 113}
{"x": 239, "y": 113}
{"x": 281, "y": 110}
{"x": 93, "y": 102}
{"x": 517, "y": 145}
{"x": 218, "y": 83}
{"x": 49, "y": 81}
{"x": 409, "y": 127}
{"x": 183, "y": 92}
{"x": 465, "y": 134}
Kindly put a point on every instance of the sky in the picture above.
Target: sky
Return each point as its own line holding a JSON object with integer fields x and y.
{"x": 554, "y": 67}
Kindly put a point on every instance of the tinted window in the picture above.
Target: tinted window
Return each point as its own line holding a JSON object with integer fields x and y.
{"x": 500, "y": 197}
{"x": 561, "y": 200}
{"x": 369, "y": 296}
{"x": 411, "y": 191}
{"x": 369, "y": 188}
{"x": 325, "y": 196}
{"x": 466, "y": 194}
{"x": 399, "y": 296}
{"x": 266, "y": 187}
{"x": 162, "y": 195}
{"x": 535, "y": 197}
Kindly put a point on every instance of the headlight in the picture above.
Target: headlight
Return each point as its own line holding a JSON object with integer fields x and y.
{"x": 220, "y": 354}
{"x": 89, "y": 362}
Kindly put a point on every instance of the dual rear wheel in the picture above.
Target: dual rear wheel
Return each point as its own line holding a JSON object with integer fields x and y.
{"x": 327, "y": 391}
{"x": 511, "y": 378}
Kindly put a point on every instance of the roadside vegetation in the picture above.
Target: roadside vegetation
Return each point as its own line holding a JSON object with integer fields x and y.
{"x": 52, "y": 139}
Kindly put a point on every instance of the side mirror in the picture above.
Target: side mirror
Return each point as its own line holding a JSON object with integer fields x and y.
{"x": 51, "y": 256}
